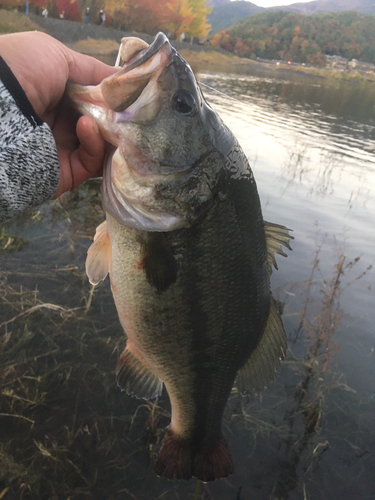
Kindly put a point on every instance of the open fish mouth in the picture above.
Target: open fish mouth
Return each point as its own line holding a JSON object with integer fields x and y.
{"x": 142, "y": 63}
{"x": 150, "y": 112}
{"x": 131, "y": 176}
{"x": 141, "y": 56}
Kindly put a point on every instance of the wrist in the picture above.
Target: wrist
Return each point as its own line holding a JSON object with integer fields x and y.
{"x": 14, "y": 88}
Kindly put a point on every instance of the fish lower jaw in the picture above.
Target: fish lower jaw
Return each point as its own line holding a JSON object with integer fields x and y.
{"x": 132, "y": 214}
{"x": 130, "y": 203}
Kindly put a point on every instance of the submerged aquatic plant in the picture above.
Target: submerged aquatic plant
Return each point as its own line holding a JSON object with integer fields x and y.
{"x": 10, "y": 242}
{"x": 292, "y": 419}
{"x": 67, "y": 431}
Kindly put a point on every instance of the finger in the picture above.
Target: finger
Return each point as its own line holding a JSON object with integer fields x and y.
{"x": 86, "y": 70}
{"x": 85, "y": 162}
{"x": 92, "y": 146}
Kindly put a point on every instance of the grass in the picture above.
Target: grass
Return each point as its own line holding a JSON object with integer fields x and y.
{"x": 13, "y": 21}
{"x": 99, "y": 46}
{"x": 212, "y": 57}
{"x": 319, "y": 413}
{"x": 66, "y": 431}
{"x": 10, "y": 242}
{"x": 331, "y": 73}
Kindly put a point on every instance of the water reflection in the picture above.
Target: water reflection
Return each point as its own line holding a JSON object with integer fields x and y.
{"x": 67, "y": 432}
{"x": 312, "y": 147}
{"x": 321, "y": 164}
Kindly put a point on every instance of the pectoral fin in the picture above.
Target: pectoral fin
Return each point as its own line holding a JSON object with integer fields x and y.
{"x": 99, "y": 255}
{"x": 264, "y": 361}
{"x": 134, "y": 375}
{"x": 277, "y": 236}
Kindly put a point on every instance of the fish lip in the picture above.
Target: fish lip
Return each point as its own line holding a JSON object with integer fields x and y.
{"x": 159, "y": 40}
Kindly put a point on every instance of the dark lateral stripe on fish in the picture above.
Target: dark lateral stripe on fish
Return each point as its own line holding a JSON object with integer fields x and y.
{"x": 200, "y": 344}
{"x": 200, "y": 327}
{"x": 158, "y": 261}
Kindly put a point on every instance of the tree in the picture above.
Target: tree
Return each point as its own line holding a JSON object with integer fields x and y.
{"x": 186, "y": 18}
{"x": 241, "y": 49}
{"x": 281, "y": 34}
{"x": 70, "y": 9}
{"x": 199, "y": 26}
{"x": 21, "y": 3}
{"x": 148, "y": 16}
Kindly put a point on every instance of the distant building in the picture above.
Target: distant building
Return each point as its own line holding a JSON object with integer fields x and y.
{"x": 336, "y": 62}
{"x": 341, "y": 64}
{"x": 361, "y": 67}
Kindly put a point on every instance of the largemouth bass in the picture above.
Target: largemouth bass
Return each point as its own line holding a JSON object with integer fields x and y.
{"x": 188, "y": 253}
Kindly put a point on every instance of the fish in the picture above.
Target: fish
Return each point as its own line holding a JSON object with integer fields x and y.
{"x": 188, "y": 253}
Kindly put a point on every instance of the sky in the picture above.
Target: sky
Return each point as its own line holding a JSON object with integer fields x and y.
{"x": 272, "y": 3}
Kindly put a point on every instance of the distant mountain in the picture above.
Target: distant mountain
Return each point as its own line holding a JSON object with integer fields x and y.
{"x": 293, "y": 36}
{"x": 217, "y": 3}
{"x": 226, "y": 13}
{"x": 363, "y": 6}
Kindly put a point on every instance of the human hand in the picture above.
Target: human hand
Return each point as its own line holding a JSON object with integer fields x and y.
{"x": 42, "y": 65}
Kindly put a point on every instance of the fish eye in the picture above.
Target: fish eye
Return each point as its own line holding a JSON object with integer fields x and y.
{"x": 183, "y": 102}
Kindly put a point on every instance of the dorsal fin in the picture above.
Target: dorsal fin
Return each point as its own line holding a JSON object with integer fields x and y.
{"x": 277, "y": 236}
{"x": 99, "y": 255}
{"x": 264, "y": 361}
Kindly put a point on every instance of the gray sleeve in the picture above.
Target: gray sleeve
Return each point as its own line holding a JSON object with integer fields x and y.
{"x": 29, "y": 165}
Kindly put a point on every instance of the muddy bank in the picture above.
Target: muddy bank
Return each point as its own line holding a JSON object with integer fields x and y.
{"x": 70, "y": 32}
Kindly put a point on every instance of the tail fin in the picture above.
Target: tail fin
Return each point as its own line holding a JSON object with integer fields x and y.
{"x": 177, "y": 459}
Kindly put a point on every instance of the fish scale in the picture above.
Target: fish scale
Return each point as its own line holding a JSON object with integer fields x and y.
{"x": 188, "y": 253}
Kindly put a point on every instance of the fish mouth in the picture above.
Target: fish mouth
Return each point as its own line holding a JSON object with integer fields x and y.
{"x": 123, "y": 88}
{"x": 129, "y": 180}
{"x": 145, "y": 55}
{"x": 120, "y": 90}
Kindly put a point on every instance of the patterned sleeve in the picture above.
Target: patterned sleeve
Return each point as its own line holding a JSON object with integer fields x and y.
{"x": 29, "y": 165}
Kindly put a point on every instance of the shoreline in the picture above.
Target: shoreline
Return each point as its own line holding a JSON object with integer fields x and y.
{"x": 103, "y": 43}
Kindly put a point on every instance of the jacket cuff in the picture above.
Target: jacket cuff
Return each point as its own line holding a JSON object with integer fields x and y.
{"x": 18, "y": 94}
{"x": 29, "y": 164}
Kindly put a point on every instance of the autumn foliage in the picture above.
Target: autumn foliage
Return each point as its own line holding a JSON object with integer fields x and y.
{"x": 304, "y": 39}
{"x": 21, "y": 3}
{"x": 149, "y": 16}
{"x": 69, "y": 8}
{"x": 174, "y": 17}
{"x": 55, "y": 7}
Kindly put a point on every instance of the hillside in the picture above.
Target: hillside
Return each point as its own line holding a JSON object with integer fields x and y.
{"x": 363, "y": 6}
{"x": 299, "y": 38}
{"x": 226, "y": 15}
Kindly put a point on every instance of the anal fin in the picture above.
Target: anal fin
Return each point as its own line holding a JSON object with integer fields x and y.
{"x": 134, "y": 375}
{"x": 264, "y": 361}
{"x": 99, "y": 255}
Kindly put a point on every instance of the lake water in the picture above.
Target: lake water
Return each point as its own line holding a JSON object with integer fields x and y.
{"x": 68, "y": 432}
